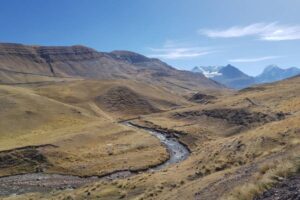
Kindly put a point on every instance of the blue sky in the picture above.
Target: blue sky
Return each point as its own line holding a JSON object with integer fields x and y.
{"x": 184, "y": 33}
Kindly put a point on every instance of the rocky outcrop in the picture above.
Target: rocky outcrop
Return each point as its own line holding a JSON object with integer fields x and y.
{"x": 286, "y": 190}
{"x": 201, "y": 98}
{"x": 25, "y": 159}
{"x": 240, "y": 117}
{"x": 123, "y": 99}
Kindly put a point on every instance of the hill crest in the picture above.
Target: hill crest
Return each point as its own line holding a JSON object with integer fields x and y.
{"x": 84, "y": 62}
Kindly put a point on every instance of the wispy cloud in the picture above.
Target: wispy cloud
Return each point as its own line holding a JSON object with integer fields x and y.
{"x": 172, "y": 50}
{"x": 263, "y": 31}
{"x": 258, "y": 59}
{"x": 178, "y": 53}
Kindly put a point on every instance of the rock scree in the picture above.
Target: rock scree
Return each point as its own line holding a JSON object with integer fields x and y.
{"x": 241, "y": 117}
{"x": 288, "y": 189}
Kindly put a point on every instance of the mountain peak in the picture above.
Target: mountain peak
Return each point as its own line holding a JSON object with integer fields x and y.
{"x": 230, "y": 70}
{"x": 195, "y": 68}
{"x": 274, "y": 73}
{"x": 229, "y": 65}
{"x": 227, "y": 75}
{"x": 271, "y": 67}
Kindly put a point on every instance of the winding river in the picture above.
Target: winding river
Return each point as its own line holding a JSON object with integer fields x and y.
{"x": 43, "y": 182}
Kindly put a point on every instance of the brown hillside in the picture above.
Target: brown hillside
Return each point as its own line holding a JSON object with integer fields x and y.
{"x": 25, "y": 64}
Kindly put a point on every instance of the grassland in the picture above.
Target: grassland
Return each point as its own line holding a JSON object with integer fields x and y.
{"x": 85, "y": 139}
{"x": 233, "y": 139}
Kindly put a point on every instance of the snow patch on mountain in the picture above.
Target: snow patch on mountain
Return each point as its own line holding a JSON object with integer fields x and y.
{"x": 208, "y": 71}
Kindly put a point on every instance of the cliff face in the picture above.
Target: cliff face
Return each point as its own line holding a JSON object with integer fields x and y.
{"x": 73, "y": 53}
{"x": 24, "y": 64}
{"x": 42, "y": 53}
{"x": 22, "y": 59}
{"x": 73, "y": 61}
{"x": 39, "y": 60}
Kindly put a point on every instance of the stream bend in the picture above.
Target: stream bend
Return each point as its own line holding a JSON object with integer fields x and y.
{"x": 43, "y": 182}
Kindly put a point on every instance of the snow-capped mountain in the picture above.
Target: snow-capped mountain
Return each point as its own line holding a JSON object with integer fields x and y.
{"x": 227, "y": 75}
{"x": 208, "y": 71}
{"x": 234, "y": 78}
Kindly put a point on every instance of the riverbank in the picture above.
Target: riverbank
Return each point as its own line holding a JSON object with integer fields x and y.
{"x": 42, "y": 182}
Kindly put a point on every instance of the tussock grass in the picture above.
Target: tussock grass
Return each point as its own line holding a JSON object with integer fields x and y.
{"x": 268, "y": 175}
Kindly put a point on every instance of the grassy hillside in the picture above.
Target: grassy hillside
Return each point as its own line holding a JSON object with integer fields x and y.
{"x": 73, "y": 123}
{"x": 117, "y": 98}
{"x": 235, "y": 140}
{"x": 61, "y": 107}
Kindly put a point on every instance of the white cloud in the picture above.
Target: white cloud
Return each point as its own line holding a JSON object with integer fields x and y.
{"x": 172, "y": 50}
{"x": 178, "y": 53}
{"x": 264, "y": 31}
{"x": 258, "y": 59}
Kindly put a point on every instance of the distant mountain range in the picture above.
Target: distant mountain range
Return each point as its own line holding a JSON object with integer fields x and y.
{"x": 274, "y": 73}
{"x": 234, "y": 78}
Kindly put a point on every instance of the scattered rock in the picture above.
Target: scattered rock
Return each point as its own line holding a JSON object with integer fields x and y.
{"x": 28, "y": 156}
{"x": 201, "y": 98}
{"x": 288, "y": 189}
{"x": 241, "y": 117}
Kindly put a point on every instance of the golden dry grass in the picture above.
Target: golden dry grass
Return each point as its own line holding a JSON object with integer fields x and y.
{"x": 118, "y": 98}
{"x": 219, "y": 161}
{"x": 89, "y": 141}
{"x": 267, "y": 176}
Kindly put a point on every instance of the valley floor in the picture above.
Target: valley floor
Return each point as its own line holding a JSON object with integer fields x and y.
{"x": 241, "y": 144}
